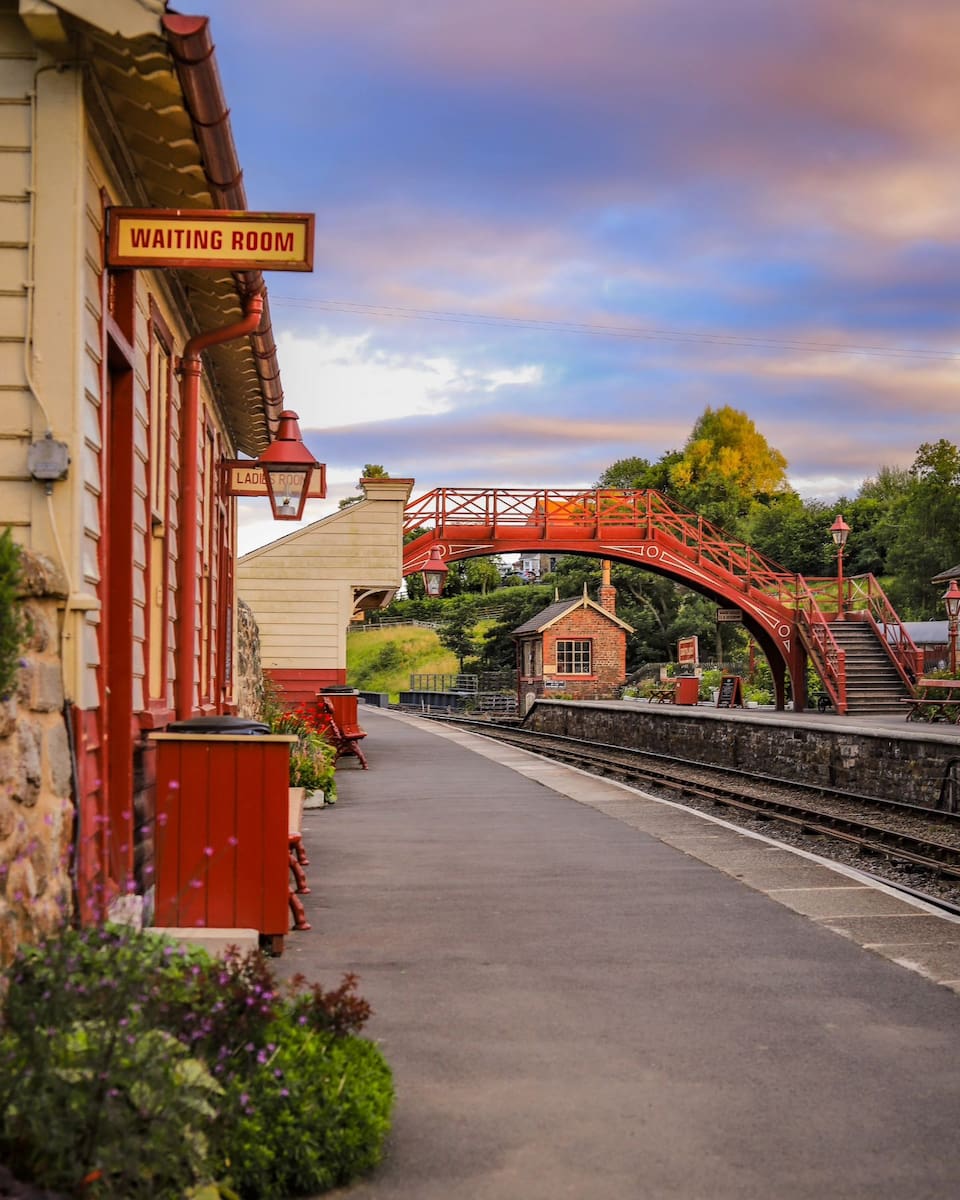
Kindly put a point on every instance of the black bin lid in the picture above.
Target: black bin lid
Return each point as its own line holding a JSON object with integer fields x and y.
{"x": 224, "y": 724}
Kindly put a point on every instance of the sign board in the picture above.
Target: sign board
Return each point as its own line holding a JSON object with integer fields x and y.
{"x": 209, "y": 238}
{"x": 687, "y": 650}
{"x": 247, "y": 479}
{"x": 732, "y": 615}
{"x": 731, "y": 692}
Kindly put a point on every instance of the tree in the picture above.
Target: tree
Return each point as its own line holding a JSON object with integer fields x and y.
{"x": 370, "y": 471}
{"x": 928, "y": 534}
{"x": 481, "y": 575}
{"x": 793, "y": 533}
{"x": 725, "y": 465}
{"x": 456, "y": 627}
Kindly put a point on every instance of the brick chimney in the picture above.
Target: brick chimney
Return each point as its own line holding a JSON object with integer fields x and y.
{"x": 608, "y": 593}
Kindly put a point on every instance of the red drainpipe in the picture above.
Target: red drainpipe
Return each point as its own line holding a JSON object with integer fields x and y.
{"x": 189, "y": 369}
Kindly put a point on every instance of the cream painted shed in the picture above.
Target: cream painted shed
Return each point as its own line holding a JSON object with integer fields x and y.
{"x": 306, "y": 588}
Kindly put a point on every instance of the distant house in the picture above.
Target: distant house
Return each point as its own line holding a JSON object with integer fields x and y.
{"x": 577, "y": 648}
{"x": 111, "y": 456}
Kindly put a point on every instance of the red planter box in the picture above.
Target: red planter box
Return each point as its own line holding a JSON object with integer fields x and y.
{"x": 222, "y": 858}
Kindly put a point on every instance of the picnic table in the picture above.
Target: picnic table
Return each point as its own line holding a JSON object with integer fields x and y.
{"x": 935, "y": 700}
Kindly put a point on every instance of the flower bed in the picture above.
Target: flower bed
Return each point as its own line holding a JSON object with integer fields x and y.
{"x": 132, "y": 1067}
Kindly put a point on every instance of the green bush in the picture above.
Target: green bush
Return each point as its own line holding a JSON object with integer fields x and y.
{"x": 148, "y": 1070}
{"x": 313, "y": 1116}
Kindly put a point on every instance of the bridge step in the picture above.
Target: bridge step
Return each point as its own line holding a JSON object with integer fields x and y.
{"x": 873, "y": 683}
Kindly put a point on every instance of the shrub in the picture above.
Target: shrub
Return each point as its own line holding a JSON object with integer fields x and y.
{"x": 91, "y": 1092}
{"x": 13, "y": 626}
{"x": 147, "y": 1070}
{"x": 311, "y": 1117}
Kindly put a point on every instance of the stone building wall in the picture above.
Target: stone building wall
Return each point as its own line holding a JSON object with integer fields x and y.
{"x": 249, "y": 682}
{"x": 907, "y": 763}
{"x": 36, "y": 773}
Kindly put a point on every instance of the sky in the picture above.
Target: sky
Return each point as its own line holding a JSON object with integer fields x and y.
{"x": 550, "y": 233}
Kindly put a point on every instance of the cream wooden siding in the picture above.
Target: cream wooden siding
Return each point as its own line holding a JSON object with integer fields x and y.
{"x": 16, "y": 407}
{"x": 301, "y": 587}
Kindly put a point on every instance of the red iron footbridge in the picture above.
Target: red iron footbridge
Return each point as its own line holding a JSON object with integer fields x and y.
{"x": 792, "y": 619}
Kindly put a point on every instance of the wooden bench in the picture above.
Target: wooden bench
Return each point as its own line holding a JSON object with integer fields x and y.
{"x": 665, "y": 693}
{"x": 935, "y": 700}
{"x": 346, "y": 739}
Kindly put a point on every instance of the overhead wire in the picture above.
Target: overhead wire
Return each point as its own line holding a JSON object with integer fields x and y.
{"x": 640, "y": 333}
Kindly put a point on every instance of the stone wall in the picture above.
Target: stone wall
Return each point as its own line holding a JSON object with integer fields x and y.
{"x": 36, "y": 774}
{"x": 249, "y": 681}
{"x": 890, "y": 763}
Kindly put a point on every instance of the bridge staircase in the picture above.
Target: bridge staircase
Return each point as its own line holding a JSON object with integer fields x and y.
{"x": 857, "y": 644}
{"x": 874, "y": 685}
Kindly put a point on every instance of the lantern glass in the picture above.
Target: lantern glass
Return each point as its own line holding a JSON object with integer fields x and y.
{"x": 433, "y": 582}
{"x": 838, "y": 531}
{"x": 951, "y": 598}
{"x": 287, "y": 487}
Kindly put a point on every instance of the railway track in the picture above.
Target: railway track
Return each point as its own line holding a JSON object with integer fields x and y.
{"x": 909, "y": 838}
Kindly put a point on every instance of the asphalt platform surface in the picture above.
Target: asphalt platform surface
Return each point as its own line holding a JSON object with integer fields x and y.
{"x": 587, "y": 993}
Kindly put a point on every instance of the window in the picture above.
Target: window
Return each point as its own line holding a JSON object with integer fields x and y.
{"x": 573, "y": 658}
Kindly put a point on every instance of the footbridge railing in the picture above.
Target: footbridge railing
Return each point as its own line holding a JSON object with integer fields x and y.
{"x": 527, "y": 517}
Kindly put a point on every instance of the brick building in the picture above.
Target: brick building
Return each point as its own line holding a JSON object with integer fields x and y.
{"x": 575, "y": 648}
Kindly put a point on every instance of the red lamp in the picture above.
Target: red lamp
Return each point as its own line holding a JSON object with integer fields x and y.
{"x": 839, "y": 531}
{"x": 288, "y": 467}
{"x": 951, "y": 598}
{"x": 434, "y": 573}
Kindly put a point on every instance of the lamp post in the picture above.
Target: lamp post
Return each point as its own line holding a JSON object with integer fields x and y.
{"x": 951, "y": 598}
{"x": 839, "y": 531}
{"x": 435, "y": 573}
{"x": 287, "y": 466}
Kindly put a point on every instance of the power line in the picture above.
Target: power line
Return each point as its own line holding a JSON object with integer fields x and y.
{"x": 638, "y": 333}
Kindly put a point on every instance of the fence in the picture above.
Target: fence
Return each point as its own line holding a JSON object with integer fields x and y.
{"x": 485, "y": 681}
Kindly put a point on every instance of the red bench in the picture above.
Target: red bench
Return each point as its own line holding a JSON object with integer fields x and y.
{"x": 346, "y": 738}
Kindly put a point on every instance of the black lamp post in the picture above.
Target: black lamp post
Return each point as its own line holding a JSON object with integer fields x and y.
{"x": 951, "y": 598}
{"x": 839, "y": 531}
{"x": 288, "y": 467}
{"x": 434, "y": 573}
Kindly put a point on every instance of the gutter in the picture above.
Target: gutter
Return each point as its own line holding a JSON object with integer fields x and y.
{"x": 193, "y": 53}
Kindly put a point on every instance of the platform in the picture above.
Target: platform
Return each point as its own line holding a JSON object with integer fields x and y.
{"x": 587, "y": 992}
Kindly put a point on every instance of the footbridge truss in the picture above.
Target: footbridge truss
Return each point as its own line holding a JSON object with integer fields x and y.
{"x": 789, "y": 617}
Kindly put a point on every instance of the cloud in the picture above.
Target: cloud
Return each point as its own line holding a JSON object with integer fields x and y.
{"x": 333, "y": 381}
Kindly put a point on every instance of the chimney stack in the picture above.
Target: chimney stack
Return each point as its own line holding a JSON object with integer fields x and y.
{"x": 608, "y": 593}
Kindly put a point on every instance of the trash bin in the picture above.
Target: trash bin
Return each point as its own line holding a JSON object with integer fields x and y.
{"x": 343, "y": 700}
{"x": 688, "y": 690}
{"x": 221, "y": 840}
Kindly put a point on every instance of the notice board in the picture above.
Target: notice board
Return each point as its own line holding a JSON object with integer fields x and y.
{"x": 731, "y": 692}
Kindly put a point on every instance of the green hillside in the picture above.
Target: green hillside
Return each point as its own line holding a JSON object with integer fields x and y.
{"x": 382, "y": 660}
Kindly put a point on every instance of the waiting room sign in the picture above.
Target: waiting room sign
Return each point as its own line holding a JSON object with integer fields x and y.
{"x": 209, "y": 238}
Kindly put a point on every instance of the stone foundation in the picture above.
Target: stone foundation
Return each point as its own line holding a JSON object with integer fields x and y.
{"x": 249, "y": 682}
{"x": 36, "y": 774}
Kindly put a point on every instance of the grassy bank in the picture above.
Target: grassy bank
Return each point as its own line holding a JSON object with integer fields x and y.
{"x": 382, "y": 660}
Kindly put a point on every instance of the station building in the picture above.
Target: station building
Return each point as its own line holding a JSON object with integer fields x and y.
{"x": 573, "y": 648}
{"x": 110, "y": 465}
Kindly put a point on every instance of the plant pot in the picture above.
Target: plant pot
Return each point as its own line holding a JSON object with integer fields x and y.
{"x": 314, "y": 800}
{"x": 296, "y": 799}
